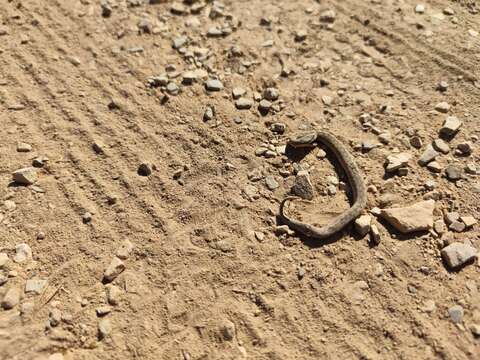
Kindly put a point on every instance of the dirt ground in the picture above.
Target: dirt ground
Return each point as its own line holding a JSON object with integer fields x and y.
{"x": 98, "y": 90}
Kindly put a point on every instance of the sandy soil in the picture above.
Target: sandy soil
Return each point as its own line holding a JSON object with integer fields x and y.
{"x": 210, "y": 276}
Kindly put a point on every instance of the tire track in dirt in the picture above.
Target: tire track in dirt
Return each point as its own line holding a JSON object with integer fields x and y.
{"x": 407, "y": 39}
{"x": 145, "y": 134}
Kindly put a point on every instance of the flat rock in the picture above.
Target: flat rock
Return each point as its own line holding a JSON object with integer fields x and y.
{"x": 104, "y": 328}
{"x": 35, "y": 285}
{"x": 416, "y": 217}
{"x": 115, "y": 268}
{"x": 397, "y": 161}
{"x": 458, "y": 254}
{"x": 25, "y": 176}
{"x": 303, "y": 186}
{"x": 443, "y": 107}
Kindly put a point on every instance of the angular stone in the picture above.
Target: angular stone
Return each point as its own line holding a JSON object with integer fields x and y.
{"x": 213, "y": 85}
{"x": 363, "y": 224}
{"x": 271, "y": 183}
{"x": 113, "y": 294}
{"x": 450, "y": 217}
{"x": 428, "y": 155}
{"x": 451, "y": 125}
{"x": 416, "y": 217}
{"x": 144, "y": 169}
{"x": 328, "y": 16}
{"x": 458, "y": 254}
{"x": 11, "y": 298}
{"x": 397, "y": 161}
{"x": 115, "y": 268}
{"x": 303, "y": 186}
{"x": 23, "y": 252}
{"x": 469, "y": 221}
{"x": 24, "y": 147}
{"x": 25, "y": 176}
{"x": 270, "y": 94}
{"x": 35, "y": 285}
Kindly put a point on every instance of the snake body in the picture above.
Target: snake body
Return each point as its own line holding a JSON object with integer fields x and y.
{"x": 355, "y": 178}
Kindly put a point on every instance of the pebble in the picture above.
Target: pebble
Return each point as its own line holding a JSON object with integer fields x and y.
{"x": 328, "y": 16}
{"x": 397, "y": 161}
{"x": 104, "y": 328}
{"x": 439, "y": 227}
{"x": 144, "y": 169}
{"x": 124, "y": 250}
{"x": 471, "y": 169}
{"x": 416, "y": 217}
{"x": 213, "y": 85}
{"x": 429, "y": 306}
{"x": 456, "y": 314}
{"x": 251, "y": 192}
{"x": 243, "y": 103}
{"x": 227, "y": 330}
{"x": 441, "y": 145}
{"x": 179, "y": 42}
{"x": 420, "y": 9}
{"x": 271, "y": 94}
{"x": 363, "y": 224}
{"x": 458, "y": 254}
{"x": 457, "y": 226}
{"x": 39, "y": 162}
{"x": 416, "y": 142}
{"x": 465, "y": 148}
{"x": 264, "y": 106}
{"x": 442, "y": 86}
{"x": 172, "y": 88}
{"x": 115, "y": 268}
{"x": 3, "y": 260}
{"x": 428, "y": 155}
{"x": 11, "y": 298}
{"x": 113, "y": 294}
{"x": 302, "y": 186}
{"x": 35, "y": 285}
{"x": 24, "y": 147}
{"x": 278, "y": 128}
{"x": 25, "y": 176}
{"x": 238, "y": 92}
{"x": 209, "y": 113}
{"x": 54, "y": 317}
{"x": 451, "y": 125}
{"x": 271, "y": 183}
{"x": 435, "y": 167}
{"x": 103, "y": 310}
{"x": 23, "y": 253}
{"x": 443, "y": 107}
{"x": 300, "y": 35}
{"x": 453, "y": 172}
{"x": 448, "y": 11}
{"x": 86, "y": 217}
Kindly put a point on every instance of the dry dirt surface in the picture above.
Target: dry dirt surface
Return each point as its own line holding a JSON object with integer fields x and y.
{"x": 151, "y": 142}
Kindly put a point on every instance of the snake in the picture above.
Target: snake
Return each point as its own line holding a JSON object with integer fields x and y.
{"x": 355, "y": 179}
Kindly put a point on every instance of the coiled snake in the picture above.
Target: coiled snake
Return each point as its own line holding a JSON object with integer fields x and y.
{"x": 355, "y": 178}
